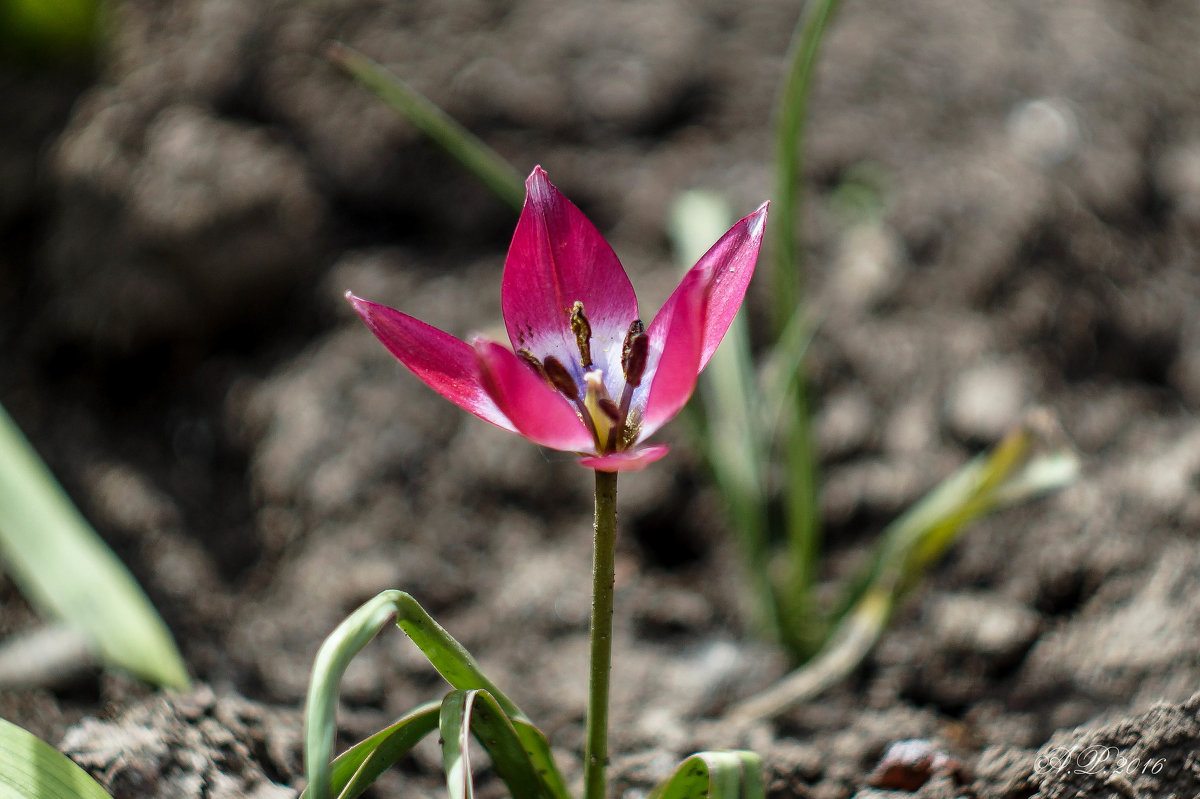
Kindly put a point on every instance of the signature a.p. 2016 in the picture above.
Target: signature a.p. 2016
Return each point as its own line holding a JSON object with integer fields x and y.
{"x": 1096, "y": 759}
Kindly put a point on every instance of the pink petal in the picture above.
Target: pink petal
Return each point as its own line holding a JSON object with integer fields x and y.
{"x": 633, "y": 460}
{"x": 537, "y": 411}
{"x": 557, "y": 257}
{"x": 730, "y": 262}
{"x": 444, "y": 363}
{"x": 676, "y": 339}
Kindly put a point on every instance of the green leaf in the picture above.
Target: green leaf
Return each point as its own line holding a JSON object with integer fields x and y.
{"x": 730, "y": 435}
{"x": 66, "y": 570}
{"x": 714, "y": 775}
{"x": 361, "y": 764}
{"x": 538, "y": 749}
{"x": 467, "y": 713}
{"x": 1030, "y": 461}
{"x": 791, "y": 118}
{"x": 480, "y": 160}
{"x": 49, "y": 31}
{"x": 444, "y": 653}
{"x": 30, "y": 768}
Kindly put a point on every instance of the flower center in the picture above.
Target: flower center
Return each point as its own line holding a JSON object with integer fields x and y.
{"x": 614, "y": 425}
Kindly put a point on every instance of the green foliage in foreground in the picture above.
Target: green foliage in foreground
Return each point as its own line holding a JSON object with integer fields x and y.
{"x": 30, "y": 768}
{"x": 519, "y": 752}
{"x": 49, "y": 31}
{"x": 64, "y": 568}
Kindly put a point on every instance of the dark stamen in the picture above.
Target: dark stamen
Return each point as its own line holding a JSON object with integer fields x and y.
{"x": 635, "y": 352}
{"x": 531, "y": 359}
{"x": 610, "y": 409}
{"x": 558, "y": 376}
{"x": 583, "y": 334}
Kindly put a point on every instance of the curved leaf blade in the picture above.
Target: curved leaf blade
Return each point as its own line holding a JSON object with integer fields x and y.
{"x": 475, "y": 712}
{"x": 30, "y": 768}
{"x": 444, "y": 653}
{"x": 538, "y": 749}
{"x": 67, "y": 570}
{"x": 715, "y": 775}
{"x": 361, "y": 764}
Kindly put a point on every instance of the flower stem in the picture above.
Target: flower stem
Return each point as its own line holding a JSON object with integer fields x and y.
{"x": 603, "y": 572}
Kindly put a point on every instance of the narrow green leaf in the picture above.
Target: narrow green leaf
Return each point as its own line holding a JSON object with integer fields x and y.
{"x": 714, "y": 775}
{"x": 789, "y": 153}
{"x": 361, "y": 764}
{"x": 538, "y": 749}
{"x": 444, "y": 653}
{"x": 66, "y": 570}
{"x": 30, "y": 768}
{"x": 1028, "y": 462}
{"x": 730, "y": 436}
{"x": 466, "y": 713}
{"x": 850, "y": 642}
{"x": 782, "y": 373}
{"x": 455, "y": 727}
{"x": 480, "y": 160}
{"x": 49, "y": 31}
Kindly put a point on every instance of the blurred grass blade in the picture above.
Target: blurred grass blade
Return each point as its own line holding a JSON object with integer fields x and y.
{"x": 714, "y": 775}
{"x": 444, "y": 653}
{"x": 475, "y": 712}
{"x": 49, "y": 31}
{"x": 65, "y": 569}
{"x": 782, "y": 372}
{"x": 361, "y": 764}
{"x": 803, "y": 633}
{"x": 843, "y": 651}
{"x": 30, "y": 768}
{"x": 480, "y": 160}
{"x": 1030, "y": 461}
{"x": 730, "y": 437}
{"x": 789, "y": 151}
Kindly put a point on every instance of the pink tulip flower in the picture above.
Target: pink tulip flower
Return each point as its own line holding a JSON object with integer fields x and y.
{"x": 584, "y": 374}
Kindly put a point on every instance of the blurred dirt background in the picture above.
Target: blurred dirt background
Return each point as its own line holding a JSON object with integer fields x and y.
{"x": 1004, "y": 211}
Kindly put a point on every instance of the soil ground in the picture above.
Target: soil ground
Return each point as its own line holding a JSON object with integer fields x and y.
{"x": 1003, "y": 211}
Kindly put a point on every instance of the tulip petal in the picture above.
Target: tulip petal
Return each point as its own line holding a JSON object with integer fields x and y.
{"x": 673, "y": 364}
{"x": 537, "y": 411}
{"x": 730, "y": 263}
{"x": 632, "y": 460}
{"x": 441, "y": 361}
{"x": 557, "y": 257}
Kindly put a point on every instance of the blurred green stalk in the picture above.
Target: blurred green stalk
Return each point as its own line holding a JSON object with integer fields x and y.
{"x": 49, "y": 31}
{"x": 801, "y": 630}
{"x": 475, "y": 156}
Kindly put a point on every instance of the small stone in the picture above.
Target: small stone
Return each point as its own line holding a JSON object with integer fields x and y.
{"x": 1044, "y": 131}
{"x": 987, "y": 625}
{"x": 843, "y": 425}
{"x": 869, "y": 267}
{"x": 986, "y": 401}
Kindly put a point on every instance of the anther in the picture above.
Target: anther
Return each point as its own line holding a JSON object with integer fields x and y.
{"x": 583, "y": 334}
{"x": 610, "y": 409}
{"x": 634, "y": 353}
{"x": 558, "y": 376}
{"x": 531, "y": 359}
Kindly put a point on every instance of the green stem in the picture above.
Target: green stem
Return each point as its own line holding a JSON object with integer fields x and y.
{"x": 603, "y": 574}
